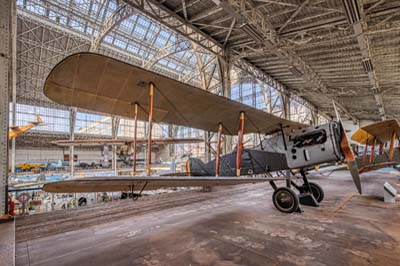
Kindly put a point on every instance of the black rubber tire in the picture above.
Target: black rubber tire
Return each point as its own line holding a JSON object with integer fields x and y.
{"x": 317, "y": 191}
{"x": 285, "y": 200}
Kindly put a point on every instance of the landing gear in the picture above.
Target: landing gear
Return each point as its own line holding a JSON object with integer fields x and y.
{"x": 285, "y": 200}
{"x": 317, "y": 191}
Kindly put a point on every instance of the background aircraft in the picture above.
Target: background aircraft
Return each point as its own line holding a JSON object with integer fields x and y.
{"x": 287, "y": 145}
{"x": 18, "y": 130}
{"x": 379, "y": 145}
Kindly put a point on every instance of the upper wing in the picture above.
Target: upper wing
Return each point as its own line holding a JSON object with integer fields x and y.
{"x": 127, "y": 183}
{"x": 103, "y": 84}
{"x": 100, "y": 142}
{"x": 382, "y": 131}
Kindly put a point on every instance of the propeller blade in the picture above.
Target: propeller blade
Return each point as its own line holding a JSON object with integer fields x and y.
{"x": 350, "y": 159}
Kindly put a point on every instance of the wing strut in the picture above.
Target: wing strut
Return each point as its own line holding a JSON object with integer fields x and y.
{"x": 151, "y": 93}
{"x": 240, "y": 143}
{"x": 391, "y": 147}
{"x": 218, "y": 159}
{"x": 135, "y": 140}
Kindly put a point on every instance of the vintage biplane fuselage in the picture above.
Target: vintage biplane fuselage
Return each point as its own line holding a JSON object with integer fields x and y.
{"x": 299, "y": 148}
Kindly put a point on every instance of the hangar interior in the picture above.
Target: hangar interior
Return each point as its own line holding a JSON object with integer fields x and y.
{"x": 295, "y": 59}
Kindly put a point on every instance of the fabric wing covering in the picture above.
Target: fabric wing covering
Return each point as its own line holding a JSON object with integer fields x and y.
{"x": 381, "y": 130}
{"x": 126, "y": 183}
{"x": 102, "y": 84}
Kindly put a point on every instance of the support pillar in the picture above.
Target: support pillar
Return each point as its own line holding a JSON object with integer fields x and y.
{"x": 218, "y": 158}
{"x": 135, "y": 139}
{"x": 13, "y": 80}
{"x": 286, "y": 105}
{"x": 72, "y": 119}
{"x": 6, "y": 12}
{"x": 114, "y": 133}
{"x": 240, "y": 144}
{"x": 151, "y": 94}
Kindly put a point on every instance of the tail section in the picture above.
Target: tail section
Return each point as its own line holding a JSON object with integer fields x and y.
{"x": 38, "y": 120}
{"x": 196, "y": 167}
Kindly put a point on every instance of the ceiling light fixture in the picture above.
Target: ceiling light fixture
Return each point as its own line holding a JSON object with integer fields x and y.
{"x": 352, "y": 11}
{"x": 367, "y": 64}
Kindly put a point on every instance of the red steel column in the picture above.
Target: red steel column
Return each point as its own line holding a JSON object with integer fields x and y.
{"x": 134, "y": 141}
{"x": 217, "y": 161}
{"x": 240, "y": 144}
{"x": 151, "y": 92}
{"x": 371, "y": 156}
{"x": 391, "y": 147}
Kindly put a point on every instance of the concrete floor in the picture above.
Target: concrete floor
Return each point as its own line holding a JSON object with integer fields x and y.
{"x": 7, "y": 243}
{"x": 229, "y": 226}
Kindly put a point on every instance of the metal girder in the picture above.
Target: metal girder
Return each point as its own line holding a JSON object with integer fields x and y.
{"x": 6, "y": 13}
{"x": 295, "y": 13}
{"x": 179, "y": 46}
{"x": 359, "y": 25}
{"x": 259, "y": 29}
{"x": 72, "y": 120}
{"x": 123, "y": 12}
{"x": 157, "y": 11}
{"x": 115, "y": 121}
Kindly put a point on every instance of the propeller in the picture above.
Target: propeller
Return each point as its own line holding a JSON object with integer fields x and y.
{"x": 348, "y": 153}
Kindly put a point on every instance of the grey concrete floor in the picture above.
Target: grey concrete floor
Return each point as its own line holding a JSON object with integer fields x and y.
{"x": 7, "y": 243}
{"x": 229, "y": 226}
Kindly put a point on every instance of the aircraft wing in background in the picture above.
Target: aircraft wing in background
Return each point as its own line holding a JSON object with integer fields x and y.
{"x": 102, "y": 142}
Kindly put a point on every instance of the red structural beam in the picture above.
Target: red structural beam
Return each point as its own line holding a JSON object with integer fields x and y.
{"x": 135, "y": 140}
{"x": 217, "y": 160}
{"x": 240, "y": 144}
{"x": 151, "y": 93}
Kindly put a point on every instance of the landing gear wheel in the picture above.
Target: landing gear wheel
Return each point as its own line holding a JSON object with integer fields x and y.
{"x": 317, "y": 191}
{"x": 285, "y": 200}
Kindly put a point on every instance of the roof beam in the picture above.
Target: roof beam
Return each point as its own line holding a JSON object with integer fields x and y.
{"x": 356, "y": 17}
{"x": 295, "y": 13}
{"x": 259, "y": 28}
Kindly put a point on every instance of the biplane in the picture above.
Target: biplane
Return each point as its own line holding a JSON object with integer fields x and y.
{"x": 19, "y": 130}
{"x": 105, "y": 85}
{"x": 127, "y": 147}
{"x": 379, "y": 141}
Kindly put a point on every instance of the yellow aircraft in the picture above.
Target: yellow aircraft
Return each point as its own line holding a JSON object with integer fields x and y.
{"x": 18, "y": 130}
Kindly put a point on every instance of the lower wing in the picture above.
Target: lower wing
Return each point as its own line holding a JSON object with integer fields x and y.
{"x": 131, "y": 183}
